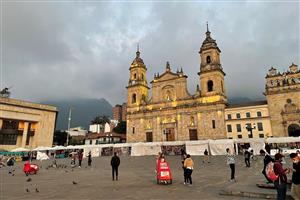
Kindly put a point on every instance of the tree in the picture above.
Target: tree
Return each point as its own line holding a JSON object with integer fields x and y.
{"x": 121, "y": 127}
{"x": 100, "y": 120}
{"x": 59, "y": 137}
{"x": 77, "y": 140}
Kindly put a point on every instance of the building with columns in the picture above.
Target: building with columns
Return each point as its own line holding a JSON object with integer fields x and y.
{"x": 26, "y": 124}
{"x": 172, "y": 113}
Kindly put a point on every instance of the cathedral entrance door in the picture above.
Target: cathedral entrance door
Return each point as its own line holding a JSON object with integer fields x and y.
{"x": 294, "y": 130}
{"x": 170, "y": 134}
{"x": 193, "y": 134}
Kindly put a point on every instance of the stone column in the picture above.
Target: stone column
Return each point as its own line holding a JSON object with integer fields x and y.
{"x": 1, "y": 122}
{"x": 25, "y": 131}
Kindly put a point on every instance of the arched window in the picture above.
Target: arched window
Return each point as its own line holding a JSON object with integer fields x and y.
{"x": 134, "y": 76}
{"x": 133, "y": 99}
{"x": 208, "y": 60}
{"x": 142, "y": 77}
{"x": 210, "y": 86}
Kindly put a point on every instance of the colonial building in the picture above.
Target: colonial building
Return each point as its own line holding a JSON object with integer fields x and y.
{"x": 172, "y": 113}
{"x": 248, "y": 120}
{"x": 25, "y": 124}
{"x": 283, "y": 96}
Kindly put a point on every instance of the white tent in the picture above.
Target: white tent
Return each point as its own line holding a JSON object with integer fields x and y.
{"x": 255, "y": 143}
{"x": 138, "y": 149}
{"x": 41, "y": 148}
{"x": 218, "y": 147}
{"x": 283, "y": 139}
{"x": 20, "y": 149}
{"x": 58, "y": 148}
{"x": 152, "y": 148}
{"x": 42, "y": 156}
{"x": 196, "y": 147}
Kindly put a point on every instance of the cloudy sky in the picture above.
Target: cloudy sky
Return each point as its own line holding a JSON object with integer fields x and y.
{"x": 62, "y": 50}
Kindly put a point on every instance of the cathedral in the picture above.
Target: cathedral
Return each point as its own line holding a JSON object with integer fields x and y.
{"x": 174, "y": 114}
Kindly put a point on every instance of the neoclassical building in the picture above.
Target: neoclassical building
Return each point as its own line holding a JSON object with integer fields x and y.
{"x": 174, "y": 114}
{"x": 26, "y": 124}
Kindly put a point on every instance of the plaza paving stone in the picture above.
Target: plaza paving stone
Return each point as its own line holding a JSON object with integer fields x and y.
{"x": 137, "y": 180}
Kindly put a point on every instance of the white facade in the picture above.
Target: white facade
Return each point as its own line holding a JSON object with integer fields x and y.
{"x": 96, "y": 128}
{"x": 77, "y": 131}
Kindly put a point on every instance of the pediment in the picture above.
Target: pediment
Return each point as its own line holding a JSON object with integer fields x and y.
{"x": 167, "y": 76}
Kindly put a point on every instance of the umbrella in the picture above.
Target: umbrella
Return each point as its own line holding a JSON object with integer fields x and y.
{"x": 20, "y": 149}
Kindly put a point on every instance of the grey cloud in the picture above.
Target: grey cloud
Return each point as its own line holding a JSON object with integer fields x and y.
{"x": 68, "y": 50}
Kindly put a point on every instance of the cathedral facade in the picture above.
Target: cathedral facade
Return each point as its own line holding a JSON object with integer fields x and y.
{"x": 173, "y": 114}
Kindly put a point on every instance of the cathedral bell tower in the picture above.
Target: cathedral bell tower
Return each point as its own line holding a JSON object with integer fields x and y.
{"x": 137, "y": 85}
{"x": 211, "y": 71}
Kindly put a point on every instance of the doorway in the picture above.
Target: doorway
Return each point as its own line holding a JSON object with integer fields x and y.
{"x": 170, "y": 134}
{"x": 193, "y": 134}
{"x": 294, "y": 130}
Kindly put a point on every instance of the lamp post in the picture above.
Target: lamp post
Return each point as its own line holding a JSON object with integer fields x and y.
{"x": 69, "y": 124}
{"x": 250, "y": 128}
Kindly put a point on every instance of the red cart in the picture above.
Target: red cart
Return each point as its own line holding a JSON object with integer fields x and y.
{"x": 30, "y": 168}
{"x": 163, "y": 173}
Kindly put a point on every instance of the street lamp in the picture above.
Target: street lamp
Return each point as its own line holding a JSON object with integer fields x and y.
{"x": 69, "y": 124}
{"x": 250, "y": 128}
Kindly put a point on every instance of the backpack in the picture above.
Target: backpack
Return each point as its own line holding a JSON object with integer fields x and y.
{"x": 270, "y": 172}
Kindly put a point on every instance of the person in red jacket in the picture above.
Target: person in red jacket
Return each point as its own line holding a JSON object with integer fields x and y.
{"x": 281, "y": 183}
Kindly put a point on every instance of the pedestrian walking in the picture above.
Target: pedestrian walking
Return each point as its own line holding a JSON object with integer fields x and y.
{"x": 184, "y": 169}
{"x": 231, "y": 163}
{"x": 189, "y": 165}
{"x": 295, "y": 190}
{"x": 10, "y": 163}
{"x": 73, "y": 159}
{"x": 115, "y": 162}
{"x": 267, "y": 160}
{"x": 89, "y": 156}
{"x": 206, "y": 156}
{"x": 80, "y": 157}
{"x": 247, "y": 156}
{"x": 281, "y": 183}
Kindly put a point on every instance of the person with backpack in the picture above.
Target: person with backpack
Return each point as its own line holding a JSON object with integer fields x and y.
{"x": 247, "y": 156}
{"x": 267, "y": 160}
{"x": 295, "y": 190}
{"x": 281, "y": 182}
{"x": 115, "y": 162}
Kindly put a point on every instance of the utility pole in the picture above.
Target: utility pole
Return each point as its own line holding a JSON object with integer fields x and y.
{"x": 69, "y": 124}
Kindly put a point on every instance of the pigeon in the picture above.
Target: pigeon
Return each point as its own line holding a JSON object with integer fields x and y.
{"x": 27, "y": 190}
{"x": 28, "y": 180}
{"x": 74, "y": 183}
{"x": 13, "y": 174}
{"x": 36, "y": 190}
